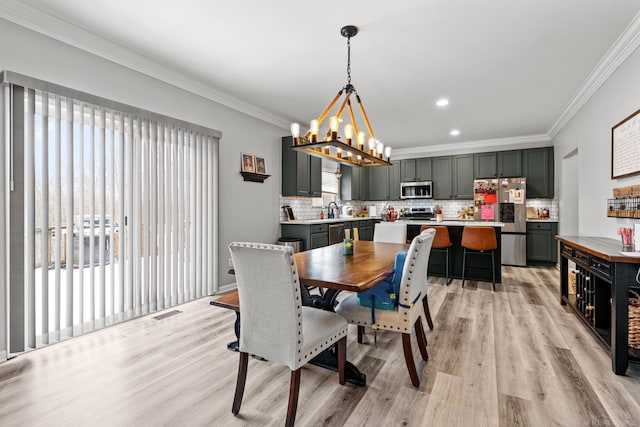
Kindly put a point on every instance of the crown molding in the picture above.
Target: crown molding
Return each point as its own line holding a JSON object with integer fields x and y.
{"x": 624, "y": 46}
{"x": 499, "y": 144}
{"x": 60, "y": 30}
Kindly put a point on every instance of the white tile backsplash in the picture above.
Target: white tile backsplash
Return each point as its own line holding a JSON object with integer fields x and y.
{"x": 303, "y": 207}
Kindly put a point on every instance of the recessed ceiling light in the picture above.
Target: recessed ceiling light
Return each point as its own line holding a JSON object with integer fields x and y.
{"x": 442, "y": 102}
{"x": 454, "y": 132}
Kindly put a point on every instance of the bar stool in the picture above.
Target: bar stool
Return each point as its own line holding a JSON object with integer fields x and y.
{"x": 442, "y": 243}
{"x": 479, "y": 240}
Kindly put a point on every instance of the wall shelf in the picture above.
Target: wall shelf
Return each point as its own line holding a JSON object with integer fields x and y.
{"x": 254, "y": 177}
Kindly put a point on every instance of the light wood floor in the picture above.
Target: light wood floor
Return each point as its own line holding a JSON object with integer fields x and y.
{"x": 509, "y": 358}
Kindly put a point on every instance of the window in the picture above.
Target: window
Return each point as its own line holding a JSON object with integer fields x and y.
{"x": 330, "y": 181}
{"x": 112, "y": 212}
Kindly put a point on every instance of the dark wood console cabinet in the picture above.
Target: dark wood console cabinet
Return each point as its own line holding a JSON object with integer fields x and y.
{"x": 601, "y": 298}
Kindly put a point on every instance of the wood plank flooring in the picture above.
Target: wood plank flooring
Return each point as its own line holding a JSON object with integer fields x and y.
{"x": 513, "y": 357}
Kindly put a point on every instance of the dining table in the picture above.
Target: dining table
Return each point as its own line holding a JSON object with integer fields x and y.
{"x": 324, "y": 273}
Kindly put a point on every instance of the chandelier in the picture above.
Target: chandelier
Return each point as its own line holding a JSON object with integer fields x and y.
{"x": 355, "y": 149}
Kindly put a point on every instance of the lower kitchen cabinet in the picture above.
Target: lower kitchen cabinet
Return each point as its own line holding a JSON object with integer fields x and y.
{"x": 323, "y": 234}
{"x": 312, "y": 235}
{"x": 542, "y": 246}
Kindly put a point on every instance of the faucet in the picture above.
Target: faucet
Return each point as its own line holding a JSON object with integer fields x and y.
{"x": 331, "y": 214}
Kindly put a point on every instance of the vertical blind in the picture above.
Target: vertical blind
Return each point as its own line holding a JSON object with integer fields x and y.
{"x": 118, "y": 213}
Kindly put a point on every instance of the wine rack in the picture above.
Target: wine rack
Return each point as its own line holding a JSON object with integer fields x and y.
{"x": 592, "y": 301}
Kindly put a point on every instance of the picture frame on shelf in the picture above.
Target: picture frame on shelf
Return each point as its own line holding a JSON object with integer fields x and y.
{"x": 260, "y": 165}
{"x": 247, "y": 162}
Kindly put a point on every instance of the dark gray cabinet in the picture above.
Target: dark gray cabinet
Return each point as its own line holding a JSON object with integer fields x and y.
{"x": 442, "y": 178}
{"x": 463, "y": 176}
{"x": 366, "y": 228}
{"x": 353, "y": 183}
{"x": 538, "y": 170}
{"x": 423, "y": 169}
{"x": 485, "y": 165}
{"x": 408, "y": 170}
{"x": 378, "y": 179}
{"x": 416, "y": 169}
{"x": 499, "y": 164}
{"x": 394, "y": 181}
{"x": 313, "y": 235}
{"x": 509, "y": 164}
{"x": 301, "y": 173}
{"x": 542, "y": 246}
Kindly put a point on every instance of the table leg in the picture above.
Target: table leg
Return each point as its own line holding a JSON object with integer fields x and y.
{"x": 235, "y": 345}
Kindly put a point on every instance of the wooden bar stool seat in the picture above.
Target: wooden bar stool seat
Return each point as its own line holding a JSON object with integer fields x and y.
{"x": 442, "y": 243}
{"x": 479, "y": 240}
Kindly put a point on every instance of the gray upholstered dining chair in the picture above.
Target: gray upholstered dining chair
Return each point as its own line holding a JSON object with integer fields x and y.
{"x": 275, "y": 325}
{"x": 413, "y": 289}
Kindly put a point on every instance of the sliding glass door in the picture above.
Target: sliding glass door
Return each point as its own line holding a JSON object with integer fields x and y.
{"x": 112, "y": 215}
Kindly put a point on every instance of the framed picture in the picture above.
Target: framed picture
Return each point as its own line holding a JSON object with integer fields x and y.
{"x": 260, "y": 165}
{"x": 625, "y": 147}
{"x": 248, "y": 162}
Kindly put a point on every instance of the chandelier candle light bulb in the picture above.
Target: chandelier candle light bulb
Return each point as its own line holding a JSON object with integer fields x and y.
{"x": 361, "y": 137}
{"x": 348, "y": 133}
{"x": 295, "y": 133}
{"x": 313, "y": 129}
{"x": 332, "y": 145}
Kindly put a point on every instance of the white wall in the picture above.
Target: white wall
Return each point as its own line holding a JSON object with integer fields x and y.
{"x": 248, "y": 211}
{"x": 590, "y": 132}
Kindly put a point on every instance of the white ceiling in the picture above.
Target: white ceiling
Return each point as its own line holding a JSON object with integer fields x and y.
{"x": 512, "y": 70}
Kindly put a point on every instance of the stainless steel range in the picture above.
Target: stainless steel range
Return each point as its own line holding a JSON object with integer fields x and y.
{"x": 419, "y": 214}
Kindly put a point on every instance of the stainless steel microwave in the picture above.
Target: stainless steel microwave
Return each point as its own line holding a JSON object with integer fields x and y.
{"x": 416, "y": 190}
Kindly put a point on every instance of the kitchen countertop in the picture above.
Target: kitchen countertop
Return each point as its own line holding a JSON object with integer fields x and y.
{"x": 542, "y": 220}
{"x": 452, "y": 222}
{"x": 329, "y": 220}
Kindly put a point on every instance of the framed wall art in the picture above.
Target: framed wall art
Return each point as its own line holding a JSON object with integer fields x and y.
{"x": 625, "y": 147}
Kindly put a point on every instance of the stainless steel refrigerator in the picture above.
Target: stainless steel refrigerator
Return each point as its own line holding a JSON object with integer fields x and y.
{"x": 504, "y": 200}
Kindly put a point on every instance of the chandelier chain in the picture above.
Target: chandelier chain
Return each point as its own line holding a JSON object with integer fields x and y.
{"x": 349, "y": 61}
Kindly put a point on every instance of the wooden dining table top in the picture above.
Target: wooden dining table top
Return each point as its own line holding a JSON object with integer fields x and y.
{"x": 328, "y": 267}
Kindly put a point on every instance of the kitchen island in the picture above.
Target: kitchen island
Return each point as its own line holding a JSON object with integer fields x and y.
{"x": 478, "y": 266}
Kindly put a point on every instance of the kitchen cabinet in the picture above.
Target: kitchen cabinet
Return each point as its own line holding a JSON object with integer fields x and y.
{"x": 353, "y": 183}
{"x": 463, "y": 177}
{"x": 416, "y": 170}
{"x": 423, "y": 169}
{"x": 538, "y": 170}
{"x": 301, "y": 173}
{"x": 509, "y": 164}
{"x": 394, "y": 181}
{"x": 408, "y": 170}
{"x": 313, "y": 235}
{"x": 541, "y": 242}
{"x": 366, "y": 228}
{"x": 442, "y": 178}
{"x": 485, "y": 165}
{"x": 378, "y": 180}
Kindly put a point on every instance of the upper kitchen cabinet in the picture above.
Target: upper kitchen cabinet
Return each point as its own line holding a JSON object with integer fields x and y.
{"x": 485, "y": 165}
{"x": 353, "y": 183}
{"x": 442, "y": 178}
{"x": 416, "y": 170}
{"x": 301, "y": 173}
{"x": 394, "y": 181}
{"x": 408, "y": 170}
{"x": 500, "y": 164}
{"x": 538, "y": 171}
{"x": 378, "y": 183}
{"x": 463, "y": 176}
{"x": 509, "y": 164}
